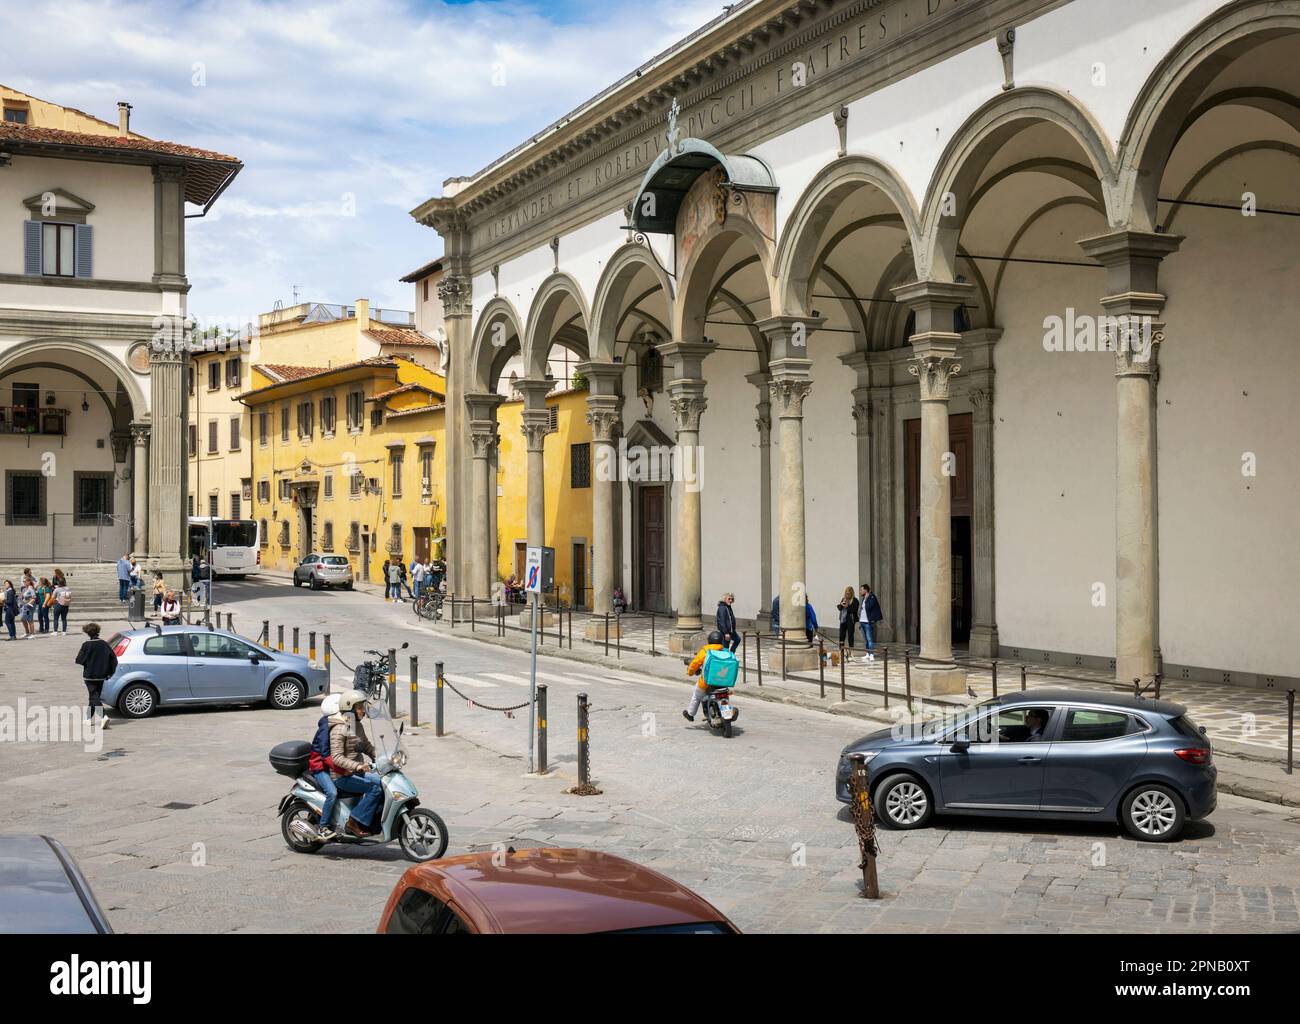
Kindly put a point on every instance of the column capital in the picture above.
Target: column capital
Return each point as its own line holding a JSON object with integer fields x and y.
{"x": 535, "y": 426}
{"x": 688, "y": 403}
{"x": 934, "y": 366}
{"x": 482, "y": 438}
{"x": 602, "y": 378}
{"x": 1137, "y": 348}
{"x": 787, "y": 336}
{"x": 140, "y": 432}
{"x": 982, "y": 400}
{"x": 603, "y": 417}
{"x": 861, "y": 413}
{"x": 457, "y": 296}
{"x": 534, "y": 392}
{"x": 686, "y": 358}
{"x": 791, "y": 383}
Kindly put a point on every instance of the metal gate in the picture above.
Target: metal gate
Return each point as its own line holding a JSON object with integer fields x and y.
{"x": 65, "y": 537}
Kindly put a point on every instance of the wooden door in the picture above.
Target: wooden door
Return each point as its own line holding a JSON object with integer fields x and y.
{"x": 653, "y": 545}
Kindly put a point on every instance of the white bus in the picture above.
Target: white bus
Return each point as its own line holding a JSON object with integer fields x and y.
{"x": 236, "y": 545}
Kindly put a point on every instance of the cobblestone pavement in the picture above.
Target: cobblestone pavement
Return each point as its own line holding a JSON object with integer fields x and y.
{"x": 174, "y": 824}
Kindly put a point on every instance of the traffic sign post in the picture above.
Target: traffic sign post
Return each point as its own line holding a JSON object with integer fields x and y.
{"x": 533, "y": 587}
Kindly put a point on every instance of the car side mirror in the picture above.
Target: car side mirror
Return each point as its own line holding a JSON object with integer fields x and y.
{"x": 960, "y": 744}
{"x": 254, "y": 657}
{"x": 401, "y": 729}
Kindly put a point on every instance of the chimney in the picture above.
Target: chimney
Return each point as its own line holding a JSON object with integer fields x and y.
{"x": 363, "y": 315}
{"x": 123, "y": 119}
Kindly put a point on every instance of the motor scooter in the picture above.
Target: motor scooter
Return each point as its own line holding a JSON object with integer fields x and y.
{"x": 716, "y": 704}
{"x": 421, "y": 833}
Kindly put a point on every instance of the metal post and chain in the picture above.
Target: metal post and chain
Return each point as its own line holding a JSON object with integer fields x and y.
{"x": 907, "y": 675}
{"x": 1290, "y": 731}
{"x": 864, "y": 824}
{"x": 584, "y": 786}
{"x": 295, "y": 639}
{"x": 415, "y": 691}
{"x": 437, "y": 719}
{"x": 886, "y": 678}
{"x": 392, "y": 682}
{"x": 541, "y": 728}
{"x": 328, "y": 662}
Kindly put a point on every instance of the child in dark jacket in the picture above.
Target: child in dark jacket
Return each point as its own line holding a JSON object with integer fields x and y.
{"x": 98, "y": 663}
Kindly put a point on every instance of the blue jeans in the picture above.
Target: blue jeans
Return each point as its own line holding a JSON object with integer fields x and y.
{"x": 122, "y": 587}
{"x": 869, "y": 635}
{"x": 331, "y": 792}
{"x": 9, "y": 624}
{"x": 372, "y": 796}
{"x": 61, "y": 616}
{"x": 43, "y": 618}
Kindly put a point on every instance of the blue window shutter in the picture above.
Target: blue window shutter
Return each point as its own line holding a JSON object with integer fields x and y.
{"x": 32, "y": 247}
{"x": 85, "y": 251}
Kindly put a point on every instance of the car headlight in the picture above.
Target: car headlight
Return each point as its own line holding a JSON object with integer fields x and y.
{"x": 868, "y": 756}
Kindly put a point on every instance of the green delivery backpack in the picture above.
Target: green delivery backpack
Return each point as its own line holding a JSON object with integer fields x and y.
{"x": 720, "y": 669}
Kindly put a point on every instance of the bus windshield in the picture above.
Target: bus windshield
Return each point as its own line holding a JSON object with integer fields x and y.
{"x": 234, "y": 534}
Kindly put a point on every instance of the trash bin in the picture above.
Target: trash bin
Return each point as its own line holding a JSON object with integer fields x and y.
{"x": 135, "y": 603}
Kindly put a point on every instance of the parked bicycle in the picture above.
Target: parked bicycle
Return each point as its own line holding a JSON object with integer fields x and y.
{"x": 429, "y": 605}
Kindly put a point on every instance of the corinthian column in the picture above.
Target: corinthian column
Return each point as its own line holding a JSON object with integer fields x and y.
{"x": 535, "y": 426}
{"x": 482, "y": 410}
{"x": 1132, "y": 261}
{"x": 984, "y": 630}
{"x": 763, "y": 424}
{"x": 140, "y": 489}
{"x": 457, "y": 305}
{"x": 168, "y": 529}
{"x": 686, "y": 394}
{"x": 604, "y": 406}
{"x": 935, "y": 364}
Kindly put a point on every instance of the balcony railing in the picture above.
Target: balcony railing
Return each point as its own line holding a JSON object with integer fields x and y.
{"x": 22, "y": 419}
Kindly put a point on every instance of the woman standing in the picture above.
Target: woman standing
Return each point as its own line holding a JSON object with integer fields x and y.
{"x": 28, "y": 611}
{"x": 44, "y": 598}
{"x": 159, "y": 591}
{"x": 9, "y": 603}
{"x": 62, "y": 601}
{"x": 848, "y": 607}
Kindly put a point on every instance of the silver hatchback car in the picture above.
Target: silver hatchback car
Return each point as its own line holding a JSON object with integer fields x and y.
{"x": 167, "y": 666}
{"x": 319, "y": 570}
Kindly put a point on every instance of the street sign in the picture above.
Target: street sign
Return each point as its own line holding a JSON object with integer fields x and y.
{"x": 533, "y": 571}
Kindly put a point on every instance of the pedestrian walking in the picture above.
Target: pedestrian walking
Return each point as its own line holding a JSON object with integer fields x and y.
{"x": 401, "y": 581}
{"x": 726, "y": 622}
{"x": 62, "y": 601}
{"x": 869, "y": 614}
{"x": 809, "y": 620}
{"x": 98, "y": 663}
{"x": 123, "y": 577}
{"x": 159, "y": 591}
{"x": 9, "y": 603}
{"x": 27, "y": 610}
{"x": 387, "y": 575}
{"x": 393, "y": 572}
{"x": 848, "y": 607}
{"x": 44, "y": 598}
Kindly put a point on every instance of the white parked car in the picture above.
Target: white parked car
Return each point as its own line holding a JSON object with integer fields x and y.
{"x": 318, "y": 571}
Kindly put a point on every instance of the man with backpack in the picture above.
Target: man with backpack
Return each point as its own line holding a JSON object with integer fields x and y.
{"x": 320, "y": 764}
{"x": 716, "y": 667}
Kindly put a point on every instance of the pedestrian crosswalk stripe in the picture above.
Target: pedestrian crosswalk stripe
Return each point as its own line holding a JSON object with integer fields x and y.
{"x": 551, "y": 677}
{"x": 514, "y": 680}
{"x": 477, "y": 684}
{"x": 623, "y": 679}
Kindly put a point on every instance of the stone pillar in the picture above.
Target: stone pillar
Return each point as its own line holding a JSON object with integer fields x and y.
{"x": 935, "y": 364}
{"x": 763, "y": 423}
{"x": 457, "y": 304}
{"x": 140, "y": 489}
{"x": 984, "y": 628}
{"x": 169, "y": 226}
{"x": 604, "y": 411}
{"x": 886, "y": 508}
{"x": 482, "y": 413}
{"x": 535, "y": 426}
{"x": 168, "y": 526}
{"x": 1133, "y": 304}
{"x": 686, "y": 394}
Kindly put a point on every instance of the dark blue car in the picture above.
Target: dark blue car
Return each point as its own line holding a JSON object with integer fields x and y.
{"x": 1063, "y": 754}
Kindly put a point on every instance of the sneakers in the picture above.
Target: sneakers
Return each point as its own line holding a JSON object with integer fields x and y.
{"x": 688, "y": 716}
{"x": 326, "y": 833}
{"x": 870, "y": 656}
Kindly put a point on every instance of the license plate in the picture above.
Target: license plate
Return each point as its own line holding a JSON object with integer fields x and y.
{"x": 727, "y": 710}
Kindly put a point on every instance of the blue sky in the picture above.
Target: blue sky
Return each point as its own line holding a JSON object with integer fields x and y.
{"x": 346, "y": 114}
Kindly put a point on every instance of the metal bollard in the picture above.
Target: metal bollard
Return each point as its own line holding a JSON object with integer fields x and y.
{"x": 279, "y": 638}
{"x": 886, "y": 678}
{"x": 311, "y": 646}
{"x": 437, "y": 713}
{"x": 821, "y": 664}
{"x": 1022, "y": 678}
{"x": 473, "y": 619}
{"x": 327, "y": 662}
{"x": 758, "y": 654}
{"x": 744, "y": 657}
{"x": 607, "y": 634}
{"x": 864, "y": 824}
{"x": 295, "y": 639}
{"x": 559, "y": 625}
{"x": 618, "y": 642}
{"x": 415, "y": 691}
{"x": 995, "y": 679}
{"x": 784, "y": 674}
{"x": 451, "y": 598}
{"x": 1290, "y": 731}
{"x": 265, "y": 638}
{"x": 843, "y": 693}
{"x": 392, "y": 683}
{"x": 907, "y": 675}
{"x": 652, "y": 632}
{"x": 584, "y": 752}
{"x": 541, "y": 728}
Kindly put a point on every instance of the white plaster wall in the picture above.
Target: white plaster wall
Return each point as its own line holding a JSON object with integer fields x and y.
{"x": 1054, "y": 468}
{"x": 1229, "y": 557}
{"x": 795, "y": 158}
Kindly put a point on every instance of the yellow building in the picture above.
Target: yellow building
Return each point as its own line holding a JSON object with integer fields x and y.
{"x": 348, "y": 460}
{"x": 569, "y": 473}
{"x": 316, "y": 333}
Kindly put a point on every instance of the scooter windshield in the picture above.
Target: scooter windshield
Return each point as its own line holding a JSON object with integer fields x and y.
{"x": 384, "y": 733}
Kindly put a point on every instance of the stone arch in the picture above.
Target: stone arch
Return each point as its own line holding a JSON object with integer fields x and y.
{"x": 485, "y": 355}
{"x": 1167, "y": 104}
{"x": 696, "y": 288}
{"x": 611, "y": 292}
{"x": 24, "y": 352}
{"x": 541, "y": 320}
{"x": 1228, "y": 154}
{"x": 974, "y": 145}
{"x": 797, "y": 259}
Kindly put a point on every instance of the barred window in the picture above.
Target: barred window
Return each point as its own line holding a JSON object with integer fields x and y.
{"x": 354, "y": 538}
{"x": 264, "y": 535}
{"x": 284, "y": 533}
{"x": 580, "y": 465}
{"x": 396, "y": 457}
{"x": 327, "y": 538}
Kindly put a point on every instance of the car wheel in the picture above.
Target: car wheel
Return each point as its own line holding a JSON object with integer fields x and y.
{"x": 139, "y": 700}
{"x": 1153, "y": 813}
{"x": 347, "y": 586}
{"x": 902, "y": 802}
{"x": 296, "y": 582}
{"x": 287, "y": 693}
{"x": 423, "y": 835}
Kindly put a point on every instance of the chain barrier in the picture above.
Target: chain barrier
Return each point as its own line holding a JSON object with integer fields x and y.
{"x": 508, "y": 712}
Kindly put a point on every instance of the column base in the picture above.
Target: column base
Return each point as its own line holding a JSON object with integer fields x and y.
{"x": 544, "y": 619}
{"x": 938, "y": 680}
{"x": 799, "y": 659}
{"x": 984, "y": 641}
{"x": 686, "y": 641}
{"x": 596, "y": 629}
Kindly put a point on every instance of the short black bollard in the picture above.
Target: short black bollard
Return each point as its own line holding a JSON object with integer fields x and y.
{"x": 295, "y": 639}
{"x": 744, "y": 656}
{"x": 392, "y": 683}
{"x": 907, "y": 676}
{"x": 437, "y": 713}
{"x": 607, "y": 634}
{"x": 473, "y": 619}
{"x": 451, "y": 599}
{"x": 415, "y": 691}
{"x": 541, "y": 728}
{"x": 584, "y": 786}
{"x": 652, "y": 632}
{"x": 1290, "y": 731}
{"x": 843, "y": 692}
{"x": 328, "y": 659}
{"x": 821, "y": 664}
{"x": 758, "y": 655}
{"x": 1023, "y": 674}
{"x": 886, "y": 678}
{"x": 311, "y": 646}
{"x": 995, "y": 679}
{"x": 279, "y": 638}
{"x": 265, "y": 638}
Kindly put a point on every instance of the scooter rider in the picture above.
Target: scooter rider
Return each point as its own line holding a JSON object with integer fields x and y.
{"x": 696, "y": 667}
{"x": 319, "y": 765}
{"x": 350, "y": 773}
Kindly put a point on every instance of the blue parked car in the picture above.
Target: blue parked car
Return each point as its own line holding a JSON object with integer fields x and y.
{"x": 42, "y": 891}
{"x": 174, "y": 665}
{"x": 1061, "y": 754}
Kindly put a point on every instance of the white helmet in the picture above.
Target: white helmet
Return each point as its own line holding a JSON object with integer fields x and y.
{"x": 330, "y": 705}
{"x": 351, "y": 699}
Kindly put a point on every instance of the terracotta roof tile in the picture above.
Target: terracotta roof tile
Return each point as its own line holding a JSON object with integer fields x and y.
{"x": 294, "y": 374}
{"x": 404, "y": 389}
{"x": 283, "y": 372}
{"x": 401, "y": 336}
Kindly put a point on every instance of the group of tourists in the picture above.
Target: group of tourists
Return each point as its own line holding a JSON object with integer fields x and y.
{"x": 40, "y": 604}
{"x": 423, "y": 575}
{"x": 858, "y": 614}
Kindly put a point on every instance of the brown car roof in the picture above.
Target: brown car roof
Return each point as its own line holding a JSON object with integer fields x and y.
{"x": 560, "y": 891}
